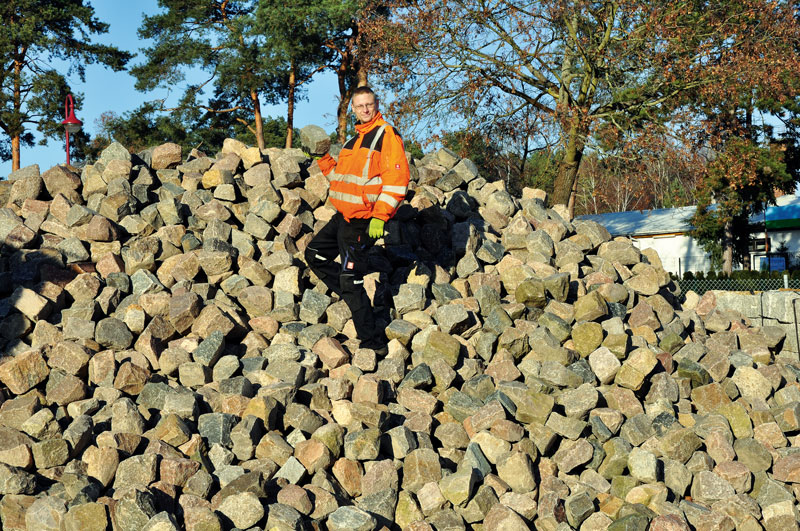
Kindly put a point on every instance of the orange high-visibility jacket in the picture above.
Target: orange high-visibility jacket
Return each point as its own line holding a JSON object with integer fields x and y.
{"x": 371, "y": 177}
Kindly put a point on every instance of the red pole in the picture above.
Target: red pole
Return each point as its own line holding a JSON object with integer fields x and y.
{"x": 70, "y": 121}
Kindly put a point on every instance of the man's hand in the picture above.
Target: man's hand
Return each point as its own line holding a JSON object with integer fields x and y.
{"x": 375, "y": 228}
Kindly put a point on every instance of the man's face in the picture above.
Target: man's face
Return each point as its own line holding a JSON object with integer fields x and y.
{"x": 365, "y": 107}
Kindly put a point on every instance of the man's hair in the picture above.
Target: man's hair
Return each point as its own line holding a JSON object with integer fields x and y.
{"x": 365, "y": 90}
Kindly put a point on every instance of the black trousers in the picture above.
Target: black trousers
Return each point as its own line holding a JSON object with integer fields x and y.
{"x": 351, "y": 242}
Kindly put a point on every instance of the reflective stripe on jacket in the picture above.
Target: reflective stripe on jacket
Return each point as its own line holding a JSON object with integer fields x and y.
{"x": 370, "y": 179}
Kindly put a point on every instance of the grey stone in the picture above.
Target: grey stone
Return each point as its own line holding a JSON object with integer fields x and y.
{"x": 620, "y": 251}
{"x": 315, "y": 139}
{"x": 410, "y": 297}
{"x": 313, "y": 306}
{"x": 444, "y": 293}
{"x": 449, "y": 182}
{"x": 73, "y": 250}
{"x": 210, "y": 349}
{"x": 136, "y": 471}
{"x": 113, "y": 333}
{"x": 578, "y": 508}
{"x": 452, "y": 318}
{"x": 349, "y": 518}
{"x": 362, "y": 445}
{"x": 15, "y": 480}
{"x": 244, "y": 509}
{"x": 144, "y": 281}
{"x": 216, "y": 428}
{"x": 708, "y": 488}
{"x": 133, "y": 510}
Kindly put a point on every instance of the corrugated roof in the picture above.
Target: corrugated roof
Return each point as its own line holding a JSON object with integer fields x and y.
{"x": 788, "y": 207}
{"x": 675, "y": 220}
{"x": 645, "y": 222}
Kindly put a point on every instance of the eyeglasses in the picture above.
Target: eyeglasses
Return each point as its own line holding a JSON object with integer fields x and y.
{"x": 364, "y": 107}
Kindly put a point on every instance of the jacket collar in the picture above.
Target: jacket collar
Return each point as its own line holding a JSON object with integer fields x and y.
{"x": 363, "y": 128}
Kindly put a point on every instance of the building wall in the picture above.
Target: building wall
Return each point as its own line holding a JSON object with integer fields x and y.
{"x": 678, "y": 253}
{"x": 791, "y": 239}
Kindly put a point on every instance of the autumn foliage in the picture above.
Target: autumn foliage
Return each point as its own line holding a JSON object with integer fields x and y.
{"x": 646, "y": 171}
{"x": 740, "y": 182}
{"x": 584, "y": 65}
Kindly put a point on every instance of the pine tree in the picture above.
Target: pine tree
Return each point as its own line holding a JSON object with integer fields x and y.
{"x": 217, "y": 38}
{"x": 32, "y": 93}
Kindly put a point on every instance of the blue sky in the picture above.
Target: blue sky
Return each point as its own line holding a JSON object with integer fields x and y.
{"x": 105, "y": 90}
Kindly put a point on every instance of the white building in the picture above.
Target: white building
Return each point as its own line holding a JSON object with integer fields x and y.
{"x": 666, "y": 230}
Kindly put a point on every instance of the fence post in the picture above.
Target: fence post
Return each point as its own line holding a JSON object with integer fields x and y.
{"x": 796, "y": 332}
{"x": 785, "y": 281}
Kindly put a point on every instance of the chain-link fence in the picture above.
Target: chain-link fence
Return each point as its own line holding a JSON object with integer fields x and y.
{"x": 680, "y": 264}
{"x": 736, "y": 284}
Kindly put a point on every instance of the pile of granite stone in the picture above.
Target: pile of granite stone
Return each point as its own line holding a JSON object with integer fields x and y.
{"x": 171, "y": 363}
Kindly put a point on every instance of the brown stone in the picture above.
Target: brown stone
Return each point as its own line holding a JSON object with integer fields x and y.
{"x": 63, "y": 388}
{"x": 183, "y": 310}
{"x": 110, "y": 263}
{"x": 131, "y": 378}
{"x": 70, "y": 357}
{"x": 15, "y": 448}
{"x": 23, "y": 371}
{"x": 416, "y": 400}
{"x": 101, "y": 463}
{"x": 297, "y": 497}
{"x": 211, "y": 319}
{"x": 313, "y": 455}
{"x": 12, "y": 511}
{"x": 331, "y": 352}
{"x": 349, "y": 474}
{"x": 787, "y": 469}
{"x": 166, "y": 156}
{"x": 177, "y": 471}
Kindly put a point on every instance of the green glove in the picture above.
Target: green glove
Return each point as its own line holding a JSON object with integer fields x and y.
{"x": 376, "y": 228}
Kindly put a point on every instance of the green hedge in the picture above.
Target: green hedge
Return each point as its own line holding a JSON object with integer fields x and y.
{"x": 740, "y": 275}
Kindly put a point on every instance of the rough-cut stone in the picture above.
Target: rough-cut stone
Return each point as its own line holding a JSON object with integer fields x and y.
{"x": 501, "y": 517}
{"x": 113, "y": 333}
{"x": 315, "y": 139}
{"x": 166, "y": 156}
{"x": 244, "y": 509}
{"x": 517, "y": 471}
{"x": 24, "y": 371}
{"x": 192, "y": 371}
{"x": 350, "y": 518}
{"x": 421, "y": 466}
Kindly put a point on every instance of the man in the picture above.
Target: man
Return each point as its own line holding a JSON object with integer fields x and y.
{"x": 368, "y": 182}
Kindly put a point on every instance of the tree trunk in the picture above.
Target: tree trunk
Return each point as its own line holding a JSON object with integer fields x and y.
{"x": 344, "y": 103}
{"x": 15, "y": 129}
{"x": 361, "y": 74}
{"x": 15, "y": 153}
{"x": 572, "y": 196}
{"x": 568, "y": 168}
{"x": 258, "y": 119}
{"x": 727, "y": 249}
{"x": 349, "y": 68}
{"x": 290, "y": 110}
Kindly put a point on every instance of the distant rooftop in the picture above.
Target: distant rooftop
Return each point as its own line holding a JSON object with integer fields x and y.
{"x": 784, "y": 215}
{"x": 645, "y": 222}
